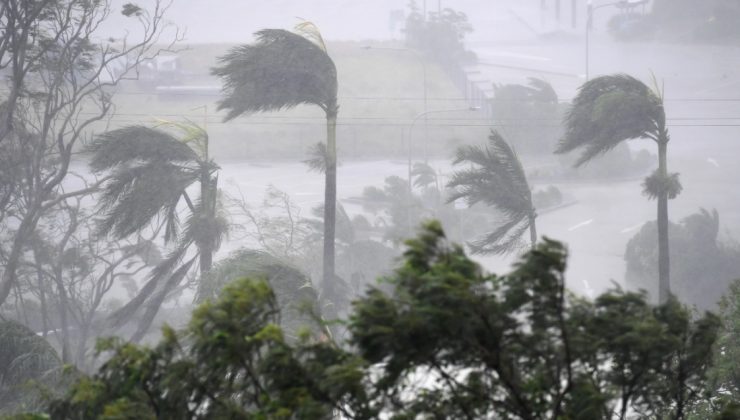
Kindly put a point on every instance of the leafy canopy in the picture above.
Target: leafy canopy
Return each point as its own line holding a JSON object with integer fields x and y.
{"x": 450, "y": 341}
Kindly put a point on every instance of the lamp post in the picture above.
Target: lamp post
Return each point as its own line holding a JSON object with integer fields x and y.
{"x": 411, "y": 131}
{"x": 423, "y": 62}
{"x": 590, "y": 9}
{"x": 408, "y": 141}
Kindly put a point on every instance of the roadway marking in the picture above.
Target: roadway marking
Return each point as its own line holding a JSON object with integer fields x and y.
{"x": 630, "y": 229}
{"x": 580, "y": 225}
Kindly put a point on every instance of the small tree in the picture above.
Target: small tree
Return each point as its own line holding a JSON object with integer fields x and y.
{"x": 496, "y": 178}
{"x": 449, "y": 341}
{"x": 61, "y": 84}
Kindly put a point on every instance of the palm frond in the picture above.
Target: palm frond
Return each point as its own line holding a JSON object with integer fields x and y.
{"x": 423, "y": 175}
{"x": 656, "y": 185}
{"x": 156, "y": 277}
{"x": 318, "y": 158}
{"x": 496, "y": 178}
{"x": 136, "y": 194}
{"x": 135, "y": 144}
{"x": 607, "y": 111}
{"x": 207, "y": 227}
{"x": 345, "y": 230}
{"x": 281, "y": 70}
{"x": 311, "y": 32}
{"x": 504, "y": 239}
{"x": 193, "y": 135}
{"x": 155, "y": 302}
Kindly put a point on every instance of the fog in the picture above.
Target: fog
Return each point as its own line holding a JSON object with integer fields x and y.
{"x": 152, "y": 156}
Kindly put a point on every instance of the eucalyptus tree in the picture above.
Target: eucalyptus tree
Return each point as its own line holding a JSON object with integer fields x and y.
{"x": 609, "y": 110}
{"x": 60, "y": 85}
{"x": 282, "y": 70}
{"x": 150, "y": 171}
{"x": 496, "y": 178}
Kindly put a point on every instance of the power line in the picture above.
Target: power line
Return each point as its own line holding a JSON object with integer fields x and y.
{"x": 410, "y": 98}
{"x": 298, "y": 118}
{"x": 432, "y": 123}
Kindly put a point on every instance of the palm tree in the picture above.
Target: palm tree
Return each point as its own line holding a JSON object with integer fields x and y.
{"x": 150, "y": 173}
{"x": 496, "y": 177}
{"x": 609, "y": 110}
{"x": 281, "y": 70}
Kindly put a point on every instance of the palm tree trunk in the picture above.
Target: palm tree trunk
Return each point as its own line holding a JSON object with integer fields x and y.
{"x": 207, "y": 203}
{"x": 664, "y": 286}
{"x": 532, "y": 230}
{"x": 330, "y": 202}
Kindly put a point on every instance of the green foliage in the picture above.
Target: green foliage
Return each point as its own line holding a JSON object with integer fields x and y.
{"x": 657, "y": 184}
{"x": 449, "y": 341}
{"x": 529, "y": 113}
{"x": 725, "y": 374}
{"x": 698, "y": 257}
{"x": 439, "y": 35}
{"x": 495, "y": 178}
{"x": 232, "y": 361}
{"x": 295, "y": 295}
{"x": 25, "y": 359}
{"x": 607, "y": 111}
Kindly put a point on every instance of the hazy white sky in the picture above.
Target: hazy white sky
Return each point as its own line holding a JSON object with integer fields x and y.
{"x": 236, "y": 20}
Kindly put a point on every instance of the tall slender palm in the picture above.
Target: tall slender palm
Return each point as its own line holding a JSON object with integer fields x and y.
{"x": 281, "y": 70}
{"x": 614, "y": 108}
{"x": 496, "y": 178}
{"x": 150, "y": 173}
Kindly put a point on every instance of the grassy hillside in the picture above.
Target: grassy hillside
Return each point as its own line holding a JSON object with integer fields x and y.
{"x": 380, "y": 92}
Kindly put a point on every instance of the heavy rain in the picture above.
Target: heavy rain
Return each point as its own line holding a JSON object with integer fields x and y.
{"x": 369, "y": 209}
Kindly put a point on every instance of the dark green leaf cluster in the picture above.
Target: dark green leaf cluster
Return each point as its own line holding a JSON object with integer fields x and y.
{"x": 702, "y": 264}
{"x": 231, "y": 362}
{"x": 656, "y": 185}
{"x": 450, "y": 341}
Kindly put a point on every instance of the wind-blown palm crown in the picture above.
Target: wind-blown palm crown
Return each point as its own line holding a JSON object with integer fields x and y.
{"x": 281, "y": 70}
{"x": 609, "y": 110}
{"x": 496, "y": 178}
{"x": 150, "y": 172}
{"x": 612, "y": 109}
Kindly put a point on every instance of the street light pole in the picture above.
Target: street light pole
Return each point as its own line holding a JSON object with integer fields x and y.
{"x": 408, "y": 142}
{"x": 590, "y": 8}
{"x": 589, "y": 22}
{"x": 411, "y": 131}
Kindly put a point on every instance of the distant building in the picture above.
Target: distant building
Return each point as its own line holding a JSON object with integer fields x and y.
{"x": 162, "y": 70}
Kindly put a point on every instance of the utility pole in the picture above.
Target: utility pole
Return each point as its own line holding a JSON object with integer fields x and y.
{"x": 574, "y": 13}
